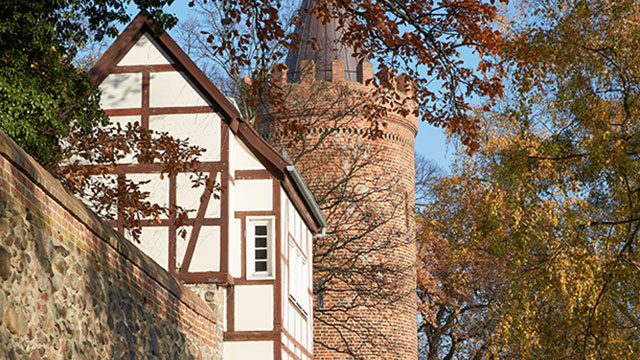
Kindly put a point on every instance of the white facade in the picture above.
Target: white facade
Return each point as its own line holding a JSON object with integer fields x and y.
{"x": 256, "y": 238}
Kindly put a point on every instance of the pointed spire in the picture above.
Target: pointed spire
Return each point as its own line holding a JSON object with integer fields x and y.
{"x": 326, "y": 36}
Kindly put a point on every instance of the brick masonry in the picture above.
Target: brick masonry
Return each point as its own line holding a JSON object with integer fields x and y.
{"x": 395, "y": 325}
{"x": 72, "y": 288}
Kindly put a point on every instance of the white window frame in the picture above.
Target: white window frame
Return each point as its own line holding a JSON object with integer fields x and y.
{"x": 298, "y": 278}
{"x": 251, "y": 223}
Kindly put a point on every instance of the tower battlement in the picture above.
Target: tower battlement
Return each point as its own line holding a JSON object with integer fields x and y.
{"x": 310, "y": 83}
{"x": 308, "y": 71}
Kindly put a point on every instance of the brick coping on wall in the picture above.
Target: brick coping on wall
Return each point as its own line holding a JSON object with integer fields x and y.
{"x": 49, "y": 185}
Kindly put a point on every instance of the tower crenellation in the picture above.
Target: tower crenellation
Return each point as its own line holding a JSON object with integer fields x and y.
{"x": 360, "y": 86}
{"x": 364, "y": 74}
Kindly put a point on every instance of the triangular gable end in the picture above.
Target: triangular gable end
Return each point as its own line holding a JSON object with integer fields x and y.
{"x": 146, "y": 51}
{"x": 140, "y": 43}
{"x": 141, "y": 26}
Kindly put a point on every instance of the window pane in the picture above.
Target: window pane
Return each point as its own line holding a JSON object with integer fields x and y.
{"x": 261, "y": 254}
{"x": 261, "y": 266}
{"x": 261, "y": 242}
{"x": 261, "y": 229}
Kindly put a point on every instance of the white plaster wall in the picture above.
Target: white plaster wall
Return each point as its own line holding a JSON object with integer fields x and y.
{"x": 254, "y": 195}
{"x": 308, "y": 243}
{"x": 248, "y": 350}
{"x": 202, "y": 130}
{"x": 253, "y": 307}
{"x": 181, "y": 244}
{"x": 235, "y": 231}
{"x": 224, "y": 309}
{"x": 190, "y": 198}
{"x": 206, "y": 255}
{"x": 235, "y": 248}
{"x": 121, "y": 91}
{"x": 303, "y": 333}
{"x": 157, "y": 188}
{"x": 299, "y": 327}
{"x": 291, "y": 210}
{"x": 286, "y": 308}
{"x": 172, "y": 88}
{"x": 285, "y": 221}
{"x": 154, "y": 241}
{"x": 302, "y": 227}
{"x": 243, "y": 157}
{"x": 288, "y": 311}
{"x": 145, "y": 52}
{"x": 290, "y": 317}
{"x": 296, "y": 227}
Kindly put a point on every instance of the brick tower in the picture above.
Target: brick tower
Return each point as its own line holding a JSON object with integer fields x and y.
{"x": 364, "y": 268}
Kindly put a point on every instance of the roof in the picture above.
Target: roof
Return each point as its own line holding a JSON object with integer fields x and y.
{"x": 268, "y": 156}
{"x": 326, "y": 36}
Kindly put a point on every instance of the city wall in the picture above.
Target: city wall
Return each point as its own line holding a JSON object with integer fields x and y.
{"x": 72, "y": 288}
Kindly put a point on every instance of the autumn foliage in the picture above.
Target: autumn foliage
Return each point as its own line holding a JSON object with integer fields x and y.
{"x": 94, "y": 169}
{"x": 540, "y": 227}
{"x": 423, "y": 39}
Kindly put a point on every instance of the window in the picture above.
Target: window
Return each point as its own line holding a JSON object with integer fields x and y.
{"x": 259, "y": 248}
{"x": 298, "y": 278}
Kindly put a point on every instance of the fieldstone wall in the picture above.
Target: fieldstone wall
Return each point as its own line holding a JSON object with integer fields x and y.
{"x": 214, "y": 296}
{"x": 72, "y": 288}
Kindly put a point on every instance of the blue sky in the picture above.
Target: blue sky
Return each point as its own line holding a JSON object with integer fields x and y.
{"x": 432, "y": 143}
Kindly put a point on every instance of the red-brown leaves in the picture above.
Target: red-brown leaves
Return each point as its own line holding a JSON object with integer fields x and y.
{"x": 94, "y": 170}
{"x": 420, "y": 38}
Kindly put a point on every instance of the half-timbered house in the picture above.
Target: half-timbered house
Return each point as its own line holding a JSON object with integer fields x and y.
{"x": 254, "y": 242}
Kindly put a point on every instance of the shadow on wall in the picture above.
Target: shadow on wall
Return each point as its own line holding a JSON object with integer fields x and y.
{"x": 126, "y": 91}
{"x": 65, "y": 293}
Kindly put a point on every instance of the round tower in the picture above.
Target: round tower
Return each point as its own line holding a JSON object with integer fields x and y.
{"x": 363, "y": 180}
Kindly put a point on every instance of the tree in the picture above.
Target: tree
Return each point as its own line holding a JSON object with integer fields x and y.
{"x": 364, "y": 198}
{"x": 458, "y": 280}
{"x": 551, "y": 198}
{"x": 226, "y": 67}
{"x": 42, "y": 95}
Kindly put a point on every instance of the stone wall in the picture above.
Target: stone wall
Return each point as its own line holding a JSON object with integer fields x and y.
{"x": 72, "y": 288}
